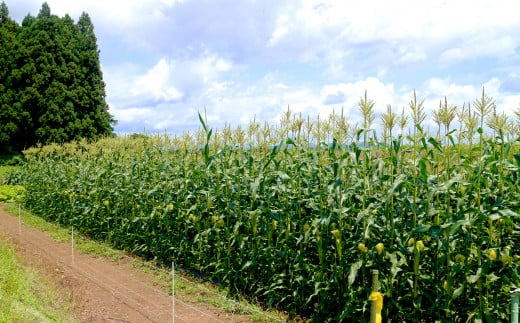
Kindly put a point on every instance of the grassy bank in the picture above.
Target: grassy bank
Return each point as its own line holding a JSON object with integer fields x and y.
{"x": 25, "y": 296}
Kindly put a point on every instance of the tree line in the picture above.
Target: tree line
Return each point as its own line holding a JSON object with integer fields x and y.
{"x": 51, "y": 84}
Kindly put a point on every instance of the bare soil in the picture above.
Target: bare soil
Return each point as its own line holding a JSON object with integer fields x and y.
{"x": 102, "y": 290}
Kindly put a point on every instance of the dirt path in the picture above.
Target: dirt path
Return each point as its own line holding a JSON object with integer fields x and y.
{"x": 103, "y": 290}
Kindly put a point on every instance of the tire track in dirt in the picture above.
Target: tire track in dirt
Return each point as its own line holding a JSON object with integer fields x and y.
{"x": 102, "y": 290}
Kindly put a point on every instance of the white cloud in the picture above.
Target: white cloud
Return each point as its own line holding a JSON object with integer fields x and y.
{"x": 280, "y": 30}
{"x": 373, "y": 19}
{"x": 269, "y": 99}
{"x": 119, "y": 16}
{"x": 168, "y": 80}
{"x": 339, "y": 35}
{"x": 131, "y": 114}
{"x": 160, "y": 96}
{"x": 413, "y": 56}
{"x": 436, "y": 89}
{"x": 156, "y": 83}
{"x": 481, "y": 45}
{"x": 378, "y": 91}
{"x": 168, "y": 59}
{"x": 329, "y": 33}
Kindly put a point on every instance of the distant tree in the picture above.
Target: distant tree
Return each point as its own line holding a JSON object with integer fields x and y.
{"x": 57, "y": 93}
{"x": 45, "y": 11}
{"x": 4, "y": 13}
{"x": 94, "y": 110}
{"x": 9, "y": 116}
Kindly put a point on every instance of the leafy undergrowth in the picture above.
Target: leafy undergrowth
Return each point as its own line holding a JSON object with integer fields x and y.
{"x": 4, "y": 171}
{"x": 25, "y": 296}
{"x": 10, "y": 193}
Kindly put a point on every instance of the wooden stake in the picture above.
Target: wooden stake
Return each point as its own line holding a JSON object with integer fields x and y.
{"x": 72, "y": 246}
{"x": 173, "y": 292}
{"x": 19, "y": 219}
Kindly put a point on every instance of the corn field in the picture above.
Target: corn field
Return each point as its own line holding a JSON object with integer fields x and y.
{"x": 296, "y": 215}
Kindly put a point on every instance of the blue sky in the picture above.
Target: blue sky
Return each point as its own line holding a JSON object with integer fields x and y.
{"x": 164, "y": 61}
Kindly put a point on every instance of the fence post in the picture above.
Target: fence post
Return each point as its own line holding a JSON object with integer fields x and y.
{"x": 19, "y": 218}
{"x": 173, "y": 292}
{"x": 377, "y": 299}
{"x": 514, "y": 305}
{"x": 72, "y": 245}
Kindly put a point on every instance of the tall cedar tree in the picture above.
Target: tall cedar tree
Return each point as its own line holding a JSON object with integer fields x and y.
{"x": 10, "y": 116}
{"x": 55, "y": 79}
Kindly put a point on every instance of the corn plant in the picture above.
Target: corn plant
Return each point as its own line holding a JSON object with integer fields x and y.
{"x": 295, "y": 215}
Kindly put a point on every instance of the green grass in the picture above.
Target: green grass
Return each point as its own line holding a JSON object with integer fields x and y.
{"x": 199, "y": 291}
{"x": 25, "y": 296}
{"x": 61, "y": 234}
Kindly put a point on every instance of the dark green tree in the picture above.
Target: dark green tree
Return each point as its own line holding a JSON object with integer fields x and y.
{"x": 57, "y": 89}
{"x": 94, "y": 117}
{"x": 10, "y": 118}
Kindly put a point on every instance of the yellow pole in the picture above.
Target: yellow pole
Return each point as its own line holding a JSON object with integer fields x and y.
{"x": 377, "y": 299}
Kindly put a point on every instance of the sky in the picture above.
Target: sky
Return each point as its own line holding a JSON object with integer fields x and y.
{"x": 164, "y": 61}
